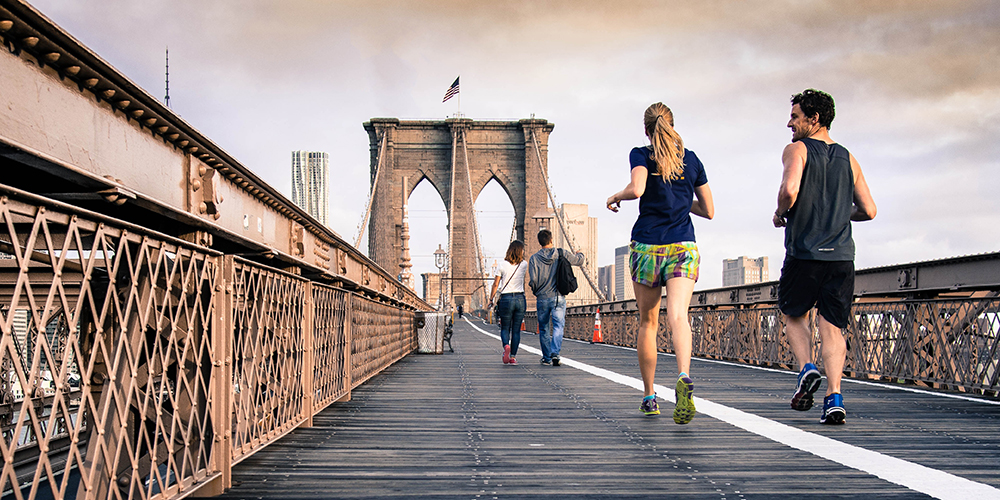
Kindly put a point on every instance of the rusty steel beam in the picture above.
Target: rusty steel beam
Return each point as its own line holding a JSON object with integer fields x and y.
{"x": 68, "y": 116}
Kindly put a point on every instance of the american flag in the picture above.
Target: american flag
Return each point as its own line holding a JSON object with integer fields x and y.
{"x": 452, "y": 91}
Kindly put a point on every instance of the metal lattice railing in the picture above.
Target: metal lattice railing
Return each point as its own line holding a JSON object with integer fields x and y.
{"x": 381, "y": 335}
{"x": 944, "y": 343}
{"x": 135, "y": 365}
{"x": 331, "y": 345}
{"x": 102, "y": 327}
{"x": 268, "y": 355}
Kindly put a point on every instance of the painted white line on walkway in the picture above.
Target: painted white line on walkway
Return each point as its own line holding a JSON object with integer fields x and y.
{"x": 845, "y": 380}
{"x": 933, "y": 482}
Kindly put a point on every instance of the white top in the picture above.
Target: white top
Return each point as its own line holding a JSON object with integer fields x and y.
{"x": 516, "y": 278}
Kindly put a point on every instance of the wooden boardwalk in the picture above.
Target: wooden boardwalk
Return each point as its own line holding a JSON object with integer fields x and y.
{"x": 462, "y": 425}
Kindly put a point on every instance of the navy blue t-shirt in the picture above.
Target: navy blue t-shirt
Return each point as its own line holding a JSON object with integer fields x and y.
{"x": 665, "y": 207}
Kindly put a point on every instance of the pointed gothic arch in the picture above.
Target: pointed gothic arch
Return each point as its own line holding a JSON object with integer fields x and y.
{"x": 459, "y": 157}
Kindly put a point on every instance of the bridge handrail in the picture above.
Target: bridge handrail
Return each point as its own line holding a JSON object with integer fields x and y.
{"x": 146, "y": 366}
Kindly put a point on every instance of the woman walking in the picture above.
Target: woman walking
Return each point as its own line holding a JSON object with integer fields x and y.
{"x": 511, "y": 305}
{"x": 670, "y": 183}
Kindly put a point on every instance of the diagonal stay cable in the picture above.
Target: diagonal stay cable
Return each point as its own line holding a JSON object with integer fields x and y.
{"x": 562, "y": 225}
{"x": 371, "y": 195}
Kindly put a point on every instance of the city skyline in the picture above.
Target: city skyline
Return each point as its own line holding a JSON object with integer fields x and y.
{"x": 273, "y": 77}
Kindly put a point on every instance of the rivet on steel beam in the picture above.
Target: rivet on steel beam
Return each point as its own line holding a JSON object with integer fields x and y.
{"x": 192, "y": 149}
{"x": 6, "y": 25}
{"x": 137, "y": 113}
{"x": 163, "y": 130}
{"x": 182, "y": 143}
{"x": 202, "y": 170}
{"x": 91, "y": 82}
{"x": 216, "y": 215}
{"x": 124, "y": 103}
{"x": 195, "y": 184}
{"x": 30, "y": 41}
{"x": 52, "y": 57}
{"x": 108, "y": 94}
{"x": 202, "y": 207}
{"x": 71, "y": 70}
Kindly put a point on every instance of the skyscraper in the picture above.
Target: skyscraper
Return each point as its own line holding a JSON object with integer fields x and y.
{"x": 583, "y": 229}
{"x": 311, "y": 183}
{"x": 606, "y": 281}
{"x": 744, "y": 271}
{"x": 623, "y": 277}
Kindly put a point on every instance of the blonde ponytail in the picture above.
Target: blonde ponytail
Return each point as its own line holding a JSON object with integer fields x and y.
{"x": 668, "y": 147}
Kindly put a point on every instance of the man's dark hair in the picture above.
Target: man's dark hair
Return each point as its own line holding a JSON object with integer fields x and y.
{"x": 544, "y": 237}
{"x": 816, "y": 102}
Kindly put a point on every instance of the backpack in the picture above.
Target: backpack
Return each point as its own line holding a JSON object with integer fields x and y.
{"x": 565, "y": 279}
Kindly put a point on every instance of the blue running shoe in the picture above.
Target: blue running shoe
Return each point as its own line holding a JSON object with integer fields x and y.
{"x": 684, "y": 409}
{"x": 649, "y": 406}
{"x": 833, "y": 410}
{"x": 809, "y": 379}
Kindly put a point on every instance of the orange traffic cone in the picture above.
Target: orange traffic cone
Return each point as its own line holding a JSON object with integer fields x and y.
{"x": 597, "y": 329}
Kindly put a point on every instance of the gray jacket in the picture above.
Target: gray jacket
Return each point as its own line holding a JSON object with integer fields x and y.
{"x": 542, "y": 271}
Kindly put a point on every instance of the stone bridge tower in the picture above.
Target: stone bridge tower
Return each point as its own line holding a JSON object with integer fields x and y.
{"x": 458, "y": 157}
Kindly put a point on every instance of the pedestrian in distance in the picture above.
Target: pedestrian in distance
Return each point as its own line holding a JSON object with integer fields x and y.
{"x": 550, "y": 305}
{"x": 822, "y": 190}
{"x": 671, "y": 184}
{"x": 511, "y": 304}
{"x": 461, "y": 310}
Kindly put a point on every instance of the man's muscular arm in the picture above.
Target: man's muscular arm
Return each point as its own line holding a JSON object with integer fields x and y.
{"x": 794, "y": 160}
{"x": 864, "y": 204}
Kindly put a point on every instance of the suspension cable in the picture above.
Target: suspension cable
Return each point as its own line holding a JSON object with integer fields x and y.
{"x": 371, "y": 195}
{"x": 475, "y": 220}
{"x": 562, "y": 225}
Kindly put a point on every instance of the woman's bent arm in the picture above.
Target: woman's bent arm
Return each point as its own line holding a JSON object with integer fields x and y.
{"x": 703, "y": 206}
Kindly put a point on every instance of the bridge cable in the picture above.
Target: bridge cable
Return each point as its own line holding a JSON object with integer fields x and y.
{"x": 451, "y": 213}
{"x": 480, "y": 258}
{"x": 559, "y": 218}
{"x": 371, "y": 195}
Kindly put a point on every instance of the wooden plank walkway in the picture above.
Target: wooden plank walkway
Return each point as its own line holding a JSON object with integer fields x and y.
{"x": 462, "y": 425}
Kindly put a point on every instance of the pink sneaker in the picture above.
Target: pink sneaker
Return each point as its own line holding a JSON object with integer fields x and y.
{"x": 513, "y": 361}
{"x": 506, "y": 355}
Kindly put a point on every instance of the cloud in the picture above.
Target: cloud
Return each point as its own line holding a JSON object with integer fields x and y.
{"x": 916, "y": 84}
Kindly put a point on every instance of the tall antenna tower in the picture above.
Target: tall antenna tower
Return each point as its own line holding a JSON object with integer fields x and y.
{"x": 166, "y": 100}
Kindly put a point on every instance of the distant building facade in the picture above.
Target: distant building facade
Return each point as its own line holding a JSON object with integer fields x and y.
{"x": 744, "y": 271}
{"x": 583, "y": 228}
{"x": 311, "y": 183}
{"x": 432, "y": 288}
{"x": 623, "y": 277}
{"x": 606, "y": 281}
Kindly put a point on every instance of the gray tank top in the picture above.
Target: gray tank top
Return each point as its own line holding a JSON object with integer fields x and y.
{"x": 819, "y": 224}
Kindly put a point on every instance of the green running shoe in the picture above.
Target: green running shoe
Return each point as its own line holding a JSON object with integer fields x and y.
{"x": 649, "y": 406}
{"x": 684, "y": 409}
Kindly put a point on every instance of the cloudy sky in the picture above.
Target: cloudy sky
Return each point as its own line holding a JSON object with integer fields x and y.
{"x": 917, "y": 86}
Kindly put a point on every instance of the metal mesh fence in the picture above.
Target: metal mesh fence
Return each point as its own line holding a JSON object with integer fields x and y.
{"x": 944, "y": 343}
{"x": 134, "y": 365}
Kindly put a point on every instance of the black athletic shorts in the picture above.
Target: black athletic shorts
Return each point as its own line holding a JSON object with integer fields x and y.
{"x": 829, "y": 285}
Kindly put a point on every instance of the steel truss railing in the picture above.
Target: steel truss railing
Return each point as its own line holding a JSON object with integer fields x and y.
{"x": 951, "y": 344}
{"x": 135, "y": 365}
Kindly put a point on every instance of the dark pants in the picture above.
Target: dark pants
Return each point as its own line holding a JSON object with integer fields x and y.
{"x": 512, "y": 307}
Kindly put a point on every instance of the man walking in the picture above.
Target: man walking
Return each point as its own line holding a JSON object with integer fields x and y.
{"x": 549, "y": 303}
{"x": 822, "y": 191}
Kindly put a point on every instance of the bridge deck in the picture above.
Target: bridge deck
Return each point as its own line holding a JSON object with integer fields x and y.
{"x": 463, "y": 425}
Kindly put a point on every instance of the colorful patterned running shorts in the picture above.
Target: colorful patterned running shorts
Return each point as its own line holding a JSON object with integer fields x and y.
{"x": 653, "y": 265}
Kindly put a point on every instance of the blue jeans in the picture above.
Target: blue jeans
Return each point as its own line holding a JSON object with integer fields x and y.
{"x": 512, "y": 307}
{"x": 551, "y": 309}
